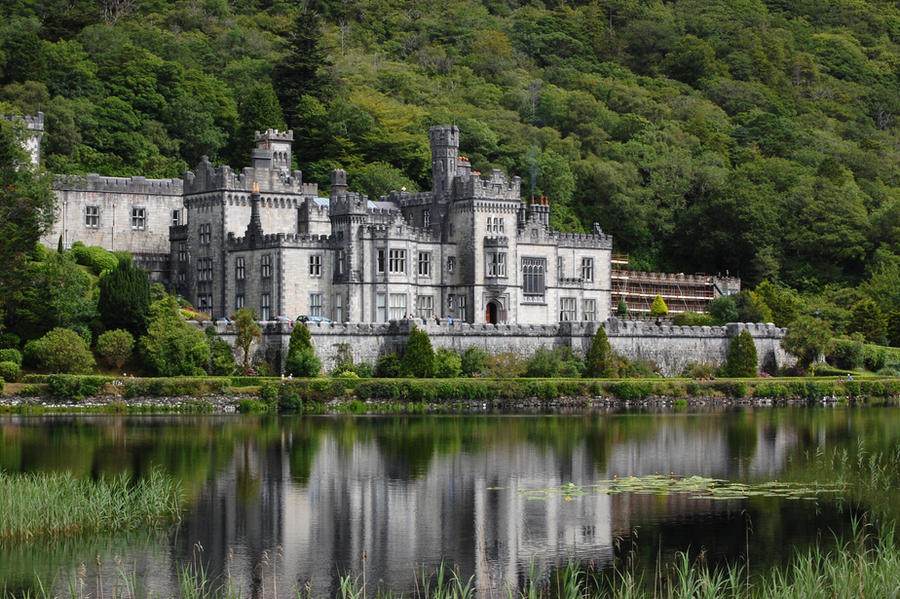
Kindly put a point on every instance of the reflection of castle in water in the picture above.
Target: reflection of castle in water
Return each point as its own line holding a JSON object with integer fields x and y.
{"x": 402, "y": 511}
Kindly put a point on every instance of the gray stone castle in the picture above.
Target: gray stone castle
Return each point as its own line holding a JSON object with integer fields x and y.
{"x": 468, "y": 250}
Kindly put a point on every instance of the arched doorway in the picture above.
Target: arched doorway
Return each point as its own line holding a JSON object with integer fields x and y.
{"x": 492, "y": 313}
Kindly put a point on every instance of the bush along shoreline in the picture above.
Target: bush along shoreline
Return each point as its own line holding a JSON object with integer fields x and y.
{"x": 338, "y": 394}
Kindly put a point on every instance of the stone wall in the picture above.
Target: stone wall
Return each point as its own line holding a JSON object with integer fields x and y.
{"x": 671, "y": 347}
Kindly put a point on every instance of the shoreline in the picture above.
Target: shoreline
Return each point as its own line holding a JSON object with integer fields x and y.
{"x": 231, "y": 404}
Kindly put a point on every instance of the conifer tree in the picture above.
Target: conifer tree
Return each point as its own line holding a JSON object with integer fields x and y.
{"x": 247, "y": 332}
{"x": 124, "y": 301}
{"x": 418, "y": 356}
{"x": 659, "y": 307}
{"x": 622, "y": 309}
{"x": 301, "y": 359}
{"x": 742, "y": 357}
{"x": 299, "y": 72}
{"x": 600, "y": 356}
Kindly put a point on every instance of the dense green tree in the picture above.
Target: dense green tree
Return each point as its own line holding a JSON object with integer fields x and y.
{"x": 26, "y": 208}
{"x": 867, "y": 319}
{"x": 221, "y": 356}
{"x": 742, "y": 357}
{"x": 301, "y": 70}
{"x": 600, "y": 357}
{"x": 246, "y": 332}
{"x": 418, "y": 357}
{"x": 447, "y": 364}
{"x": 807, "y": 337}
{"x": 724, "y": 309}
{"x": 473, "y": 360}
{"x": 124, "y": 301}
{"x": 301, "y": 359}
{"x": 259, "y": 110}
{"x": 622, "y": 309}
{"x": 171, "y": 346}
{"x": 115, "y": 347}
{"x": 63, "y": 351}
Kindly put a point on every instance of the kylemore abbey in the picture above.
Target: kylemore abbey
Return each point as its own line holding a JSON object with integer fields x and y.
{"x": 470, "y": 250}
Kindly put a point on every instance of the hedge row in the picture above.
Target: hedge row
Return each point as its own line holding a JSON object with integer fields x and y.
{"x": 293, "y": 394}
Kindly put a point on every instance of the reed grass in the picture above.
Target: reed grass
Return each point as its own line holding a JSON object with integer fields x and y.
{"x": 52, "y": 504}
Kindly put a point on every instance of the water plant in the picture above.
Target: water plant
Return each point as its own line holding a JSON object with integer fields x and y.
{"x": 33, "y": 505}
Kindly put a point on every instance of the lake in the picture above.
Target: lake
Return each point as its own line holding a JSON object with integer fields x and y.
{"x": 300, "y": 501}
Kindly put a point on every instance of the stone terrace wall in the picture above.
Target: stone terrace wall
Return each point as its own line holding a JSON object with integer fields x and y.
{"x": 671, "y": 347}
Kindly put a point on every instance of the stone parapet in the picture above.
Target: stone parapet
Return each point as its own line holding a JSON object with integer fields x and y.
{"x": 138, "y": 185}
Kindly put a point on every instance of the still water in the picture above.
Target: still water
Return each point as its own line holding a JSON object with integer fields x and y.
{"x": 299, "y": 501}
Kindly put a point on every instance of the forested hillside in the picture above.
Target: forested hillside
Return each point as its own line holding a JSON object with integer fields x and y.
{"x": 758, "y": 137}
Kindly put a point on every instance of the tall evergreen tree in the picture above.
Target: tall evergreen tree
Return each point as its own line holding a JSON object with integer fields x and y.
{"x": 300, "y": 71}
{"x": 125, "y": 298}
{"x": 600, "y": 356}
{"x": 742, "y": 356}
{"x": 418, "y": 356}
{"x": 258, "y": 111}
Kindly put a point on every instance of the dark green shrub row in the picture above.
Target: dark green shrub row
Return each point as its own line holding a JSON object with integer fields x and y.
{"x": 11, "y": 355}
{"x": 10, "y": 371}
{"x": 249, "y": 381}
{"x": 185, "y": 386}
{"x": 631, "y": 390}
{"x": 75, "y": 386}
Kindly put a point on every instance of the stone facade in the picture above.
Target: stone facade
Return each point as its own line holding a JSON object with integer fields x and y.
{"x": 34, "y": 127}
{"x": 119, "y": 213}
{"x": 670, "y": 347}
{"x": 469, "y": 250}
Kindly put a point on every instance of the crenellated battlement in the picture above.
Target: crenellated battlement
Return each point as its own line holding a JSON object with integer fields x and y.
{"x": 280, "y": 240}
{"x": 496, "y": 186}
{"x": 139, "y": 185}
{"x": 273, "y": 135}
{"x": 270, "y": 180}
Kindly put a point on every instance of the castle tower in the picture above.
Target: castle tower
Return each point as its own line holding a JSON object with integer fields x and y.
{"x": 34, "y": 127}
{"x": 273, "y": 149}
{"x": 444, "y": 154}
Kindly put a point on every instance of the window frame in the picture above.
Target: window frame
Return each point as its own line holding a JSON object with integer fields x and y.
{"x": 138, "y": 218}
{"x": 92, "y": 217}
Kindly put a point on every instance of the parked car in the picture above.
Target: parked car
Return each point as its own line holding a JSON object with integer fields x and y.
{"x": 284, "y": 319}
{"x": 314, "y": 319}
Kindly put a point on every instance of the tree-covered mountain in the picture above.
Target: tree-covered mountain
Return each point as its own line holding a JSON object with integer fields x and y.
{"x": 758, "y": 137}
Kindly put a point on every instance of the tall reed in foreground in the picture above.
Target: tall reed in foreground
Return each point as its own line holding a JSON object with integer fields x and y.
{"x": 33, "y": 505}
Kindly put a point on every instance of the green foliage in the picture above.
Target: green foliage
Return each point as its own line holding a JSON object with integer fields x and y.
{"x": 418, "y": 357}
{"x": 622, "y": 309}
{"x": 10, "y": 341}
{"x": 473, "y": 360}
{"x": 742, "y": 358}
{"x": 388, "y": 366}
{"x": 631, "y": 390}
{"x": 599, "y": 361}
{"x": 300, "y": 338}
{"x": 693, "y": 319}
{"x": 246, "y": 332}
{"x": 75, "y": 386}
{"x": 807, "y": 338}
{"x": 724, "y": 309}
{"x": 303, "y": 363}
{"x": 698, "y": 371}
{"x": 504, "y": 365}
{"x": 115, "y": 347}
{"x": 11, "y": 355}
{"x": 659, "y": 308}
{"x": 447, "y": 364}
{"x": 846, "y": 354}
{"x": 172, "y": 347}
{"x": 124, "y": 301}
{"x": 61, "y": 350}
{"x": 10, "y": 371}
{"x": 751, "y": 307}
{"x": 94, "y": 257}
{"x": 867, "y": 319}
{"x": 221, "y": 356}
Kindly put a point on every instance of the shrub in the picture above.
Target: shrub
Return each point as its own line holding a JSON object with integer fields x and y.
{"x": 447, "y": 364}
{"x": 115, "y": 347}
{"x": 723, "y": 309}
{"x": 62, "y": 350}
{"x": 10, "y": 371}
{"x": 736, "y": 389}
{"x": 246, "y": 332}
{"x": 303, "y": 363}
{"x": 94, "y": 257}
{"x": 10, "y": 341}
{"x": 543, "y": 364}
{"x": 64, "y": 385}
{"x": 364, "y": 370}
{"x": 269, "y": 393}
{"x": 388, "y": 366}
{"x": 776, "y": 390}
{"x": 252, "y": 406}
{"x": 659, "y": 308}
{"x": 378, "y": 390}
{"x": 846, "y": 354}
{"x": 504, "y": 365}
{"x": 473, "y": 360}
{"x": 172, "y": 347}
{"x": 418, "y": 357}
{"x": 639, "y": 368}
{"x": 742, "y": 358}
{"x": 221, "y": 357}
{"x": 631, "y": 390}
{"x": 806, "y": 338}
{"x": 289, "y": 400}
{"x": 2, "y": 384}
{"x": 600, "y": 356}
{"x": 622, "y": 309}
{"x": 698, "y": 371}
{"x": 694, "y": 319}
{"x": 11, "y": 355}
{"x": 874, "y": 357}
